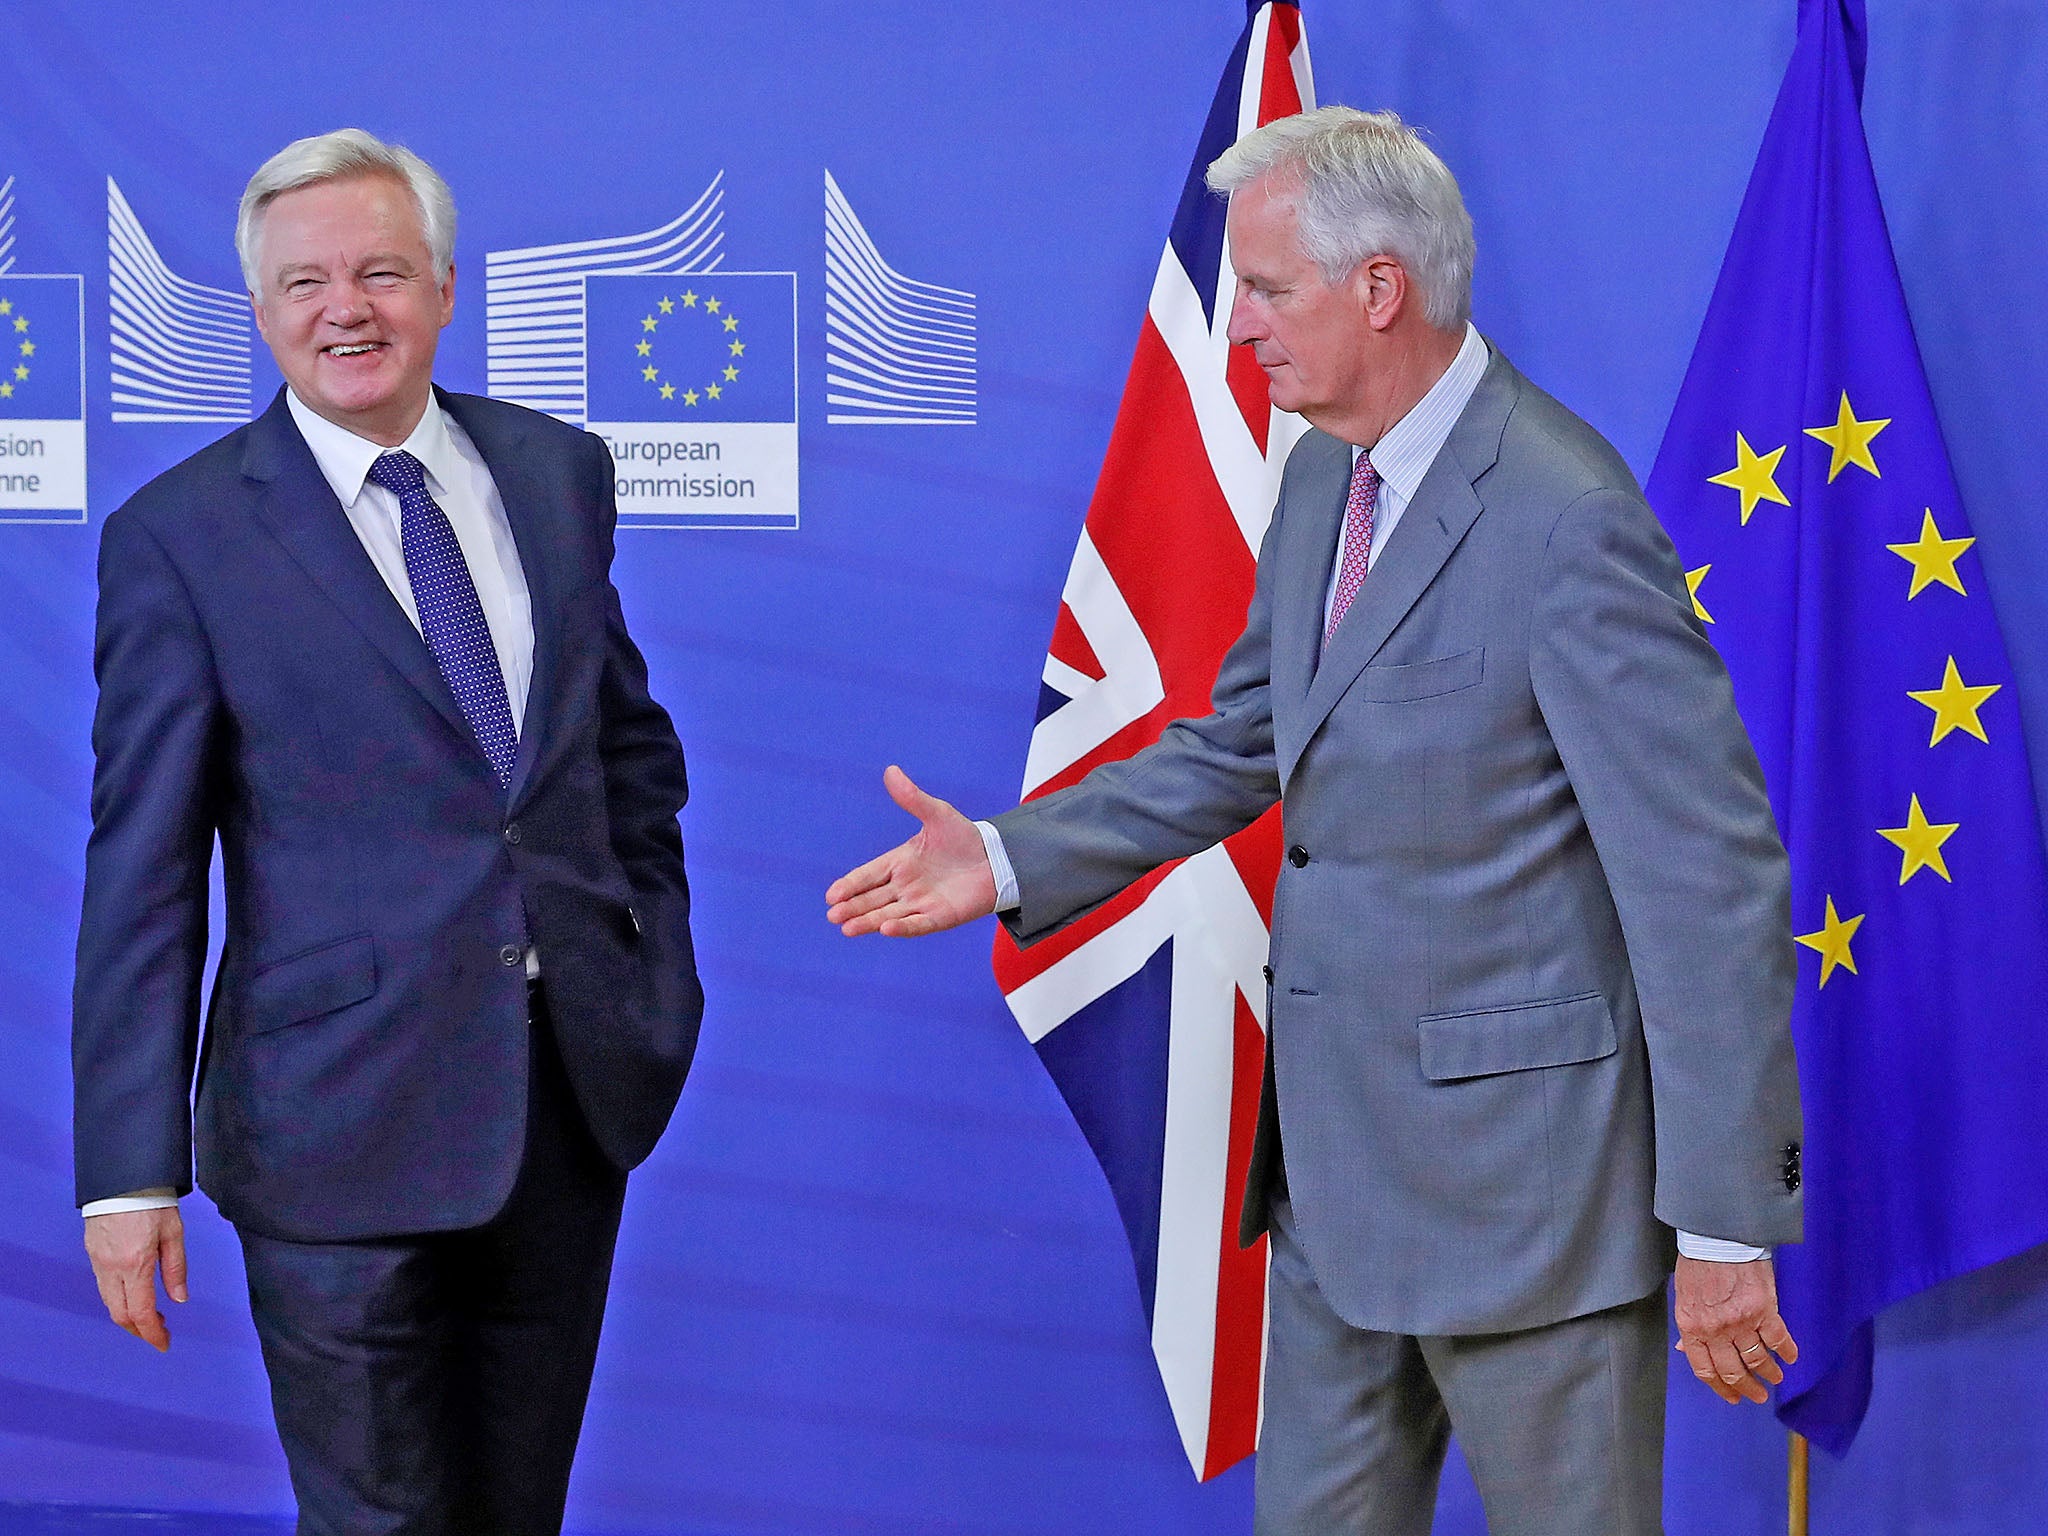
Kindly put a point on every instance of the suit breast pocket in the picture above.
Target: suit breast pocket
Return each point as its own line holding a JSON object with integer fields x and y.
{"x": 1406, "y": 681}
{"x": 310, "y": 984}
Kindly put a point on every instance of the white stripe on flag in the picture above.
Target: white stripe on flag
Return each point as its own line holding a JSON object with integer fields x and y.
{"x": 1218, "y": 949}
{"x": 1130, "y": 687}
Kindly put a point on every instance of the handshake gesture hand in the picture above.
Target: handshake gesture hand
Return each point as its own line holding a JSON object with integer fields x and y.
{"x": 939, "y": 879}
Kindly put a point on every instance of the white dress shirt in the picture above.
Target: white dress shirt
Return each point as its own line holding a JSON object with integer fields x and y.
{"x": 1401, "y": 458}
{"x": 462, "y": 487}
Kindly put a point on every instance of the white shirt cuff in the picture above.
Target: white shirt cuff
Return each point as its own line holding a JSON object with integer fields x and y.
{"x": 1007, "y": 899}
{"x": 141, "y": 1200}
{"x": 1719, "y": 1250}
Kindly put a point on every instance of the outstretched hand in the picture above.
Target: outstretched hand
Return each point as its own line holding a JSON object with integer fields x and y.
{"x": 939, "y": 879}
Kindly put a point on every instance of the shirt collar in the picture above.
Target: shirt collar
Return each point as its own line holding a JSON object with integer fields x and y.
{"x": 1403, "y": 456}
{"x": 345, "y": 458}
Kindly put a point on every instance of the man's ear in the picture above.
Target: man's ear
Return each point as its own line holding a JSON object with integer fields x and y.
{"x": 1382, "y": 286}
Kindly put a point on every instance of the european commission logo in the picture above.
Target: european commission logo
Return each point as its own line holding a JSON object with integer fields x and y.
{"x": 691, "y": 381}
{"x": 42, "y": 398}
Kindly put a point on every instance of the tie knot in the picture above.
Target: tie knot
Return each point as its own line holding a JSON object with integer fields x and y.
{"x": 1365, "y": 480}
{"x": 398, "y": 472}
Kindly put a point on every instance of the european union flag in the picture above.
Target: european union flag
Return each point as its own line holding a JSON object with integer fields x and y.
{"x": 41, "y": 366}
{"x": 1804, "y": 480}
{"x": 690, "y": 347}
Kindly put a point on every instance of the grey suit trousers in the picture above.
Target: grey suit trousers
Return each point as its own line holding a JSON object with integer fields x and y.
{"x": 1562, "y": 1425}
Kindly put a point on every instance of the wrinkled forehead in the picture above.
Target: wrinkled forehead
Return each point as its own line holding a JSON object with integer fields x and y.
{"x": 352, "y": 213}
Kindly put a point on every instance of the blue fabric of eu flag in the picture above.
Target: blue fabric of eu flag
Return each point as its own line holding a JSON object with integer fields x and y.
{"x": 39, "y": 349}
{"x": 1805, "y": 483}
{"x": 695, "y": 346}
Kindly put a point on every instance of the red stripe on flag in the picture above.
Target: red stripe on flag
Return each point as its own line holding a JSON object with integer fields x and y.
{"x": 1014, "y": 967}
{"x": 1162, "y": 526}
{"x": 1279, "y": 94}
{"x": 1240, "y": 1272}
{"x": 1071, "y": 648}
{"x": 1246, "y": 381}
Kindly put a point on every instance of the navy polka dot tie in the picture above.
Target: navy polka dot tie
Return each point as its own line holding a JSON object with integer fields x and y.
{"x": 450, "y": 616}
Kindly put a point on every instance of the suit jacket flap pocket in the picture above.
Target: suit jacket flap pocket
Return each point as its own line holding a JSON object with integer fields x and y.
{"x": 1421, "y": 679}
{"x": 311, "y": 983}
{"x": 1484, "y": 1041}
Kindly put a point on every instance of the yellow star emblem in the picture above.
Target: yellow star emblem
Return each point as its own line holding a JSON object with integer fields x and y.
{"x": 1831, "y": 942}
{"x": 731, "y": 373}
{"x": 650, "y": 373}
{"x": 21, "y": 370}
{"x": 6, "y": 306}
{"x": 1932, "y": 557}
{"x": 6, "y": 390}
{"x": 649, "y": 323}
{"x": 1692, "y": 587}
{"x": 689, "y": 299}
{"x": 713, "y": 391}
{"x": 644, "y": 347}
{"x": 689, "y": 397}
{"x": 28, "y": 349}
{"x": 732, "y": 322}
{"x": 1919, "y": 842}
{"x": 668, "y": 306}
{"x": 668, "y": 391}
{"x": 738, "y": 349}
{"x": 1955, "y": 704}
{"x": 21, "y": 322}
{"x": 1849, "y": 439}
{"x": 1754, "y": 477}
{"x": 711, "y": 306}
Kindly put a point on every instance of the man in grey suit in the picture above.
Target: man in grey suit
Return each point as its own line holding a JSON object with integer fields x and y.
{"x": 1531, "y": 968}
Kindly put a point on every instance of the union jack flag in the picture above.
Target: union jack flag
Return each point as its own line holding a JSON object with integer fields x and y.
{"x": 1150, "y": 1013}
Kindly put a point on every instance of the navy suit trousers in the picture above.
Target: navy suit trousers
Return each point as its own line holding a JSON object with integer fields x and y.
{"x": 434, "y": 1385}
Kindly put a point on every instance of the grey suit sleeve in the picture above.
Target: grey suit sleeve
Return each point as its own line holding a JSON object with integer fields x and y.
{"x": 1643, "y": 717}
{"x": 1202, "y": 781}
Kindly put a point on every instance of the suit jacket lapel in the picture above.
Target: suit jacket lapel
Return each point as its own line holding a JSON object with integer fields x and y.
{"x": 530, "y": 507}
{"x": 1312, "y": 519}
{"x": 1444, "y": 507}
{"x": 297, "y": 505}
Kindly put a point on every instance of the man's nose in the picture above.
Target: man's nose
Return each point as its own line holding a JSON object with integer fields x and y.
{"x": 1244, "y": 326}
{"x": 347, "y": 303}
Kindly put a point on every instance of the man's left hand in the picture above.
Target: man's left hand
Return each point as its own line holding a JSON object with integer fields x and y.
{"x": 1729, "y": 1328}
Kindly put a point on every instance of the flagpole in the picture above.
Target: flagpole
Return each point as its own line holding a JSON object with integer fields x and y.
{"x": 1795, "y": 1487}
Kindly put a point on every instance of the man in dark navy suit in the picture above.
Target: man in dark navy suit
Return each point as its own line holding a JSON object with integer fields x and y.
{"x": 370, "y": 644}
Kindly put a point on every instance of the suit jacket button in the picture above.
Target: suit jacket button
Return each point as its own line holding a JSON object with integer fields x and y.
{"x": 1267, "y": 970}
{"x": 512, "y": 954}
{"x": 512, "y": 834}
{"x": 1297, "y": 856}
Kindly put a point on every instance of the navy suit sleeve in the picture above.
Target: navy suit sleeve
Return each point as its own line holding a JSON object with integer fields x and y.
{"x": 142, "y": 933}
{"x": 645, "y": 782}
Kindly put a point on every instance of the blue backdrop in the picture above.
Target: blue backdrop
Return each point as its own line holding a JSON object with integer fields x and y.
{"x": 871, "y": 1281}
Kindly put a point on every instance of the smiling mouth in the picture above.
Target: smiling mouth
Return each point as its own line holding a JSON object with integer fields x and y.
{"x": 354, "y": 349}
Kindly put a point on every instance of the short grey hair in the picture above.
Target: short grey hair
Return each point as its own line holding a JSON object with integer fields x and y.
{"x": 1369, "y": 187}
{"x": 337, "y": 156}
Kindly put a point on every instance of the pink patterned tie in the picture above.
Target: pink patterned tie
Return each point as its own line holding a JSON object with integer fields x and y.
{"x": 1365, "y": 490}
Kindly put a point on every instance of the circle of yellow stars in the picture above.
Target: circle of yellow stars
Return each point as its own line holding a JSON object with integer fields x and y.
{"x": 12, "y": 325}
{"x": 728, "y": 324}
{"x": 1955, "y": 704}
